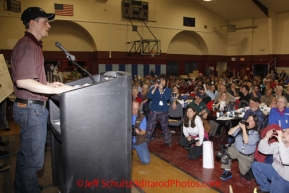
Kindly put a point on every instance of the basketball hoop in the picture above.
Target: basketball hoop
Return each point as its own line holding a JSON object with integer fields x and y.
{"x": 152, "y": 52}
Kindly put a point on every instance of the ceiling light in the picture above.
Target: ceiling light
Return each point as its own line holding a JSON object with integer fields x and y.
{"x": 207, "y": 0}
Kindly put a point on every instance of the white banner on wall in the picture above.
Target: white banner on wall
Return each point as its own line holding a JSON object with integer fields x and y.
{"x": 6, "y": 85}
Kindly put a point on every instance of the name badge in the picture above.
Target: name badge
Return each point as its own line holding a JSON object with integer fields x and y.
{"x": 161, "y": 103}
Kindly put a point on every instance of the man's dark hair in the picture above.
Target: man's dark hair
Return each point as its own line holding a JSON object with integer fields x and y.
{"x": 163, "y": 76}
{"x": 246, "y": 87}
{"x": 258, "y": 86}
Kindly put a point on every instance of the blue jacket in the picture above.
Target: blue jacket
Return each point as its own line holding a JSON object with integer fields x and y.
{"x": 157, "y": 97}
{"x": 276, "y": 118}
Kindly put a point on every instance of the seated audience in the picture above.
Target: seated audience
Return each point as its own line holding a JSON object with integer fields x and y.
{"x": 219, "y": 84}
{"x": 145, "y": 103}
{"x": 212, "y": 92}
{"x": 267, "y": 97}
{"x": 249, "y": 84}
{"x": 244, "y": 93}
{"x": 201, "y": 110}
{"x": 275, "y": 84}
{"x": 283, "y": 75}
{"x": 190, "y": 87}
{"x": 255, "y": 110}
{"x": 246, "y": 139}
{"x": 267, "y": 86}
{"x": 144, "y": 91}
{"x": 193, "y": 129}
{"x": 223, "y": 89}
{"x": 279, "y": 91}
{"x": 273, "y": 103}
{"x": 273, "y": 178}
{"x": 280, "y": 115}
{"x": 233, "y": 90}
{"x": 134, "y": 95}
{"x": 266, "y": 79}
{"x": 194, "y": 92}
{"x": 207, "y": 85}
{"x": 223, "y": 101}
{"x": 138, "y": 138}
{"x": 286, "y": 94}
{"x": 176, "y": 96}
{"x": 206, "y": 97}
{"x": 256, "y": 91}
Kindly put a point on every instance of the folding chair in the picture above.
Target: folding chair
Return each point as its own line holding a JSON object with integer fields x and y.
{"x": 176, "y": 116}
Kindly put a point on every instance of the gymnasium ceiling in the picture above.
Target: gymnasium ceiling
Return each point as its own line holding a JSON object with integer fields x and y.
{"x": 236, "y": 10}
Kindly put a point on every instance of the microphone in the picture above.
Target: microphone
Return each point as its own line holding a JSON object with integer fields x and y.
{"x": 72, "y": 59}
{"x": 68, "y": 55}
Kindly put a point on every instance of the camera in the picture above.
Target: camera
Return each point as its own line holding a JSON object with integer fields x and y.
{"x": 133, "y": 133}
{"x": 275, "y": 132}
{"x": 174, "y": 94}
{"x": 244, "y": 123}
{"x": 193, "y": 141}
{"x": 158, "y": 81}
{"x": 223, "y": 149}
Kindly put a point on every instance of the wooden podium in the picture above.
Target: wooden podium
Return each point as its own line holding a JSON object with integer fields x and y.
{"x": 91, "y": 135}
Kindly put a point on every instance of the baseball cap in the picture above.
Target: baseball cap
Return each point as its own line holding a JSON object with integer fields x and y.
{"x": 200, "y": 95}
{"x": 32, "y": 13}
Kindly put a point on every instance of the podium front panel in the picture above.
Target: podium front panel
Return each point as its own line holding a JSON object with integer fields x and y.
{"x": 91, "y": 141}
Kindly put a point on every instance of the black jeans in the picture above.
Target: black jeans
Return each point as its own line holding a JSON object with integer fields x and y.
{"x": 199, "y": 149}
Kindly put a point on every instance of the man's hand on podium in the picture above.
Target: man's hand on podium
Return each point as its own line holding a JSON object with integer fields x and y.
{"x": 60, "y": 87}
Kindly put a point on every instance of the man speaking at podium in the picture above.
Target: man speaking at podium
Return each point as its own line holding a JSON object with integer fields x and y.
{"x": 31, "y": 89}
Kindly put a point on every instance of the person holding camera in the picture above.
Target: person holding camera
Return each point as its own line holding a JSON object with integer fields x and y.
{"x": 160, "y": 96}
{"x": 194, "y": 134}
{"x": 273, "y": 177}
{"x": 139, "y": 125}
{"x": 246, "y": 138}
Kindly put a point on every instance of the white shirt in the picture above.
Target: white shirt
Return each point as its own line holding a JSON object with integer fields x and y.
{"x": 197, "y": 130}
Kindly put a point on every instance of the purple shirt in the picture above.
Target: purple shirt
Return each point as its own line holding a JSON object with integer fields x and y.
{"x": 28, "y": 63}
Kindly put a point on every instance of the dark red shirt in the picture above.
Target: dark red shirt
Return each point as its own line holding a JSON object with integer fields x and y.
{"x": 27, "y": 62}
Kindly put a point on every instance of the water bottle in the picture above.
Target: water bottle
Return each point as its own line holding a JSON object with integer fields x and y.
{"x": 231, "y": 114}
{"x": 221, "y": 113}
{"x": 243, "y": 112}
{"x": 185, "y": 104}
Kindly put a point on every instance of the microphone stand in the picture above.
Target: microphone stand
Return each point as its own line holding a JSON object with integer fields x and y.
{"x": 72, "y": 59}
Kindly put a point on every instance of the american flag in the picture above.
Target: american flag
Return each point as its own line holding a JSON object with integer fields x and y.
{"x": 63, "y": 9}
